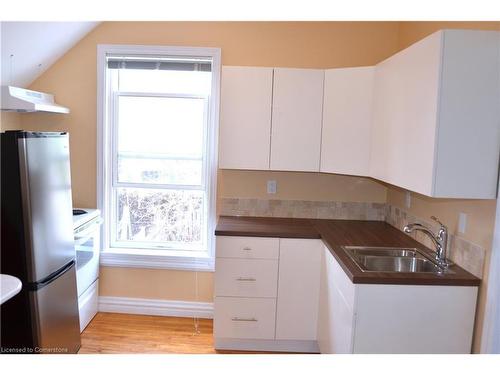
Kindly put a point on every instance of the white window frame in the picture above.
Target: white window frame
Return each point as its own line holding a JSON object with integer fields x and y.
{"x": 155, "y": 258}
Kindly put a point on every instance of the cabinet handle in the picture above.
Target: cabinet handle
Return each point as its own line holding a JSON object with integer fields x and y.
{"x": 246, "y": 279}
{"x": 235, "y": 319}
{"x": 246, "y": 248}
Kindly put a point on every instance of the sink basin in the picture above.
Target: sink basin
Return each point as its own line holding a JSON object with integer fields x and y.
{"x": 381, "y": 251}
{"x": 387, "y": 259}
{"x": 396, "y": 264}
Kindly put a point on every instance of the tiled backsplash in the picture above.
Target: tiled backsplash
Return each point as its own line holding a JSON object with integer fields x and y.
{"x": 464, "y": 253}
{"x": 302, "y": 209}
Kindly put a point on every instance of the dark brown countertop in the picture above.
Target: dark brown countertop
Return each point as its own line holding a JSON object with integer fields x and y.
{"x": 337, "y": 233}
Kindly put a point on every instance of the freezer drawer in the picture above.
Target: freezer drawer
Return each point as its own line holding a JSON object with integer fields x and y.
{"x": 55, "y": 315}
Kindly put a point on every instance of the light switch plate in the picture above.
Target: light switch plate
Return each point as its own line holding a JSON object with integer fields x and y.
{"x": 462, "y": 222}
{"x": 407, "y": 199}
{"x": 271, "y": 186}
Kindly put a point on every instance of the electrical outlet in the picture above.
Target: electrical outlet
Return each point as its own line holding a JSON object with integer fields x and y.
{"x": 462, "y": 222}
{"x": 271, "y": 186}
{"x": 407, "y": 199}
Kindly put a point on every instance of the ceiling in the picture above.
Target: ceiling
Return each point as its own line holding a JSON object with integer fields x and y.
{"x": 35, "y": 46}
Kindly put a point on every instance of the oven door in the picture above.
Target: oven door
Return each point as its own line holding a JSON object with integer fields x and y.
{"x": 87, "y": 254}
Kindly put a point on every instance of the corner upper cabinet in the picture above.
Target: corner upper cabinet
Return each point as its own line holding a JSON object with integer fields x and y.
{"x": 347, "y": 119}
{"x": 296, "y": 119}
{"x": 245, "y": 117}
{"x": 436, "y": 118}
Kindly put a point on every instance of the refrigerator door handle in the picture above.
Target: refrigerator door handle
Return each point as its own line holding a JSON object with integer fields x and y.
{"x": 53, "y": 276}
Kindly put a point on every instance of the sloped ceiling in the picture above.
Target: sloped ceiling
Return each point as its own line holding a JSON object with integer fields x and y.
{"x": 30, "y": 48}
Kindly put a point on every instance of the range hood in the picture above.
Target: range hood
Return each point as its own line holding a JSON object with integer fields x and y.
{"x": 16, "y": 99}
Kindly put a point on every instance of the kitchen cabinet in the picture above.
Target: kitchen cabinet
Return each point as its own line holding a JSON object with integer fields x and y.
{"x": 296, "y": 119}
{"x": 245, "y": 117}
{"x": 355, "y": 318}
{"x": 266, "y": 293}
{"x": 436, "y": 116}
{"x": 347, "y": 118}
{"x": 298, "y": 289}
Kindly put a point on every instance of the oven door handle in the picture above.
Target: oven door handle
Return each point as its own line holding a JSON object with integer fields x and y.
{"x": 87, "y": 230}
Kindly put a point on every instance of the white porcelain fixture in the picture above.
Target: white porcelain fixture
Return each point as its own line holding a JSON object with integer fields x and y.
{"x": 87, "y": 246}
{"x": 10, "y": 286}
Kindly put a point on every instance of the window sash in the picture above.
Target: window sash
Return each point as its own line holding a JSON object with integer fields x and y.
{"x": 114, "y": 146}
{"x": 117, "y": 244}
{"x": 116, "y": 184}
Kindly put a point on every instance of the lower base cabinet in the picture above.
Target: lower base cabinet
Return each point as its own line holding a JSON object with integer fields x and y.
{"x": 376, "y": 318}
{"x": 291, "y": 295}
{"x": 266, "y": 294}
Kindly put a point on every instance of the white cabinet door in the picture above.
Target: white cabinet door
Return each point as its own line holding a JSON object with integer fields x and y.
{"x": 298, "y": 289}
{"x": 404, "y": 117}
{"x": 296, "y": 119}
{"x": 347, "y": 118}
{"x": 336, "y": 308}
{"x": 245, "y": 117}
{"x": 436, "y": 115}
{"x": 324, "y": 318}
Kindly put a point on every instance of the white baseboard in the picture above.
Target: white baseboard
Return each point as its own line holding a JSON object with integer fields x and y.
{"x": 159, "y": 307}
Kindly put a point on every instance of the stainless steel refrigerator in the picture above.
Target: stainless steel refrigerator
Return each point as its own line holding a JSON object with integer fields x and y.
{"x": 37, "y": 244}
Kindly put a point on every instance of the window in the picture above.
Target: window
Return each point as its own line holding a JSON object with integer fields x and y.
{"x": 158, "y": 111}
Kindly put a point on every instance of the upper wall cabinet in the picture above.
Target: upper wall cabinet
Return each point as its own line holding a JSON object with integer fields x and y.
{"x": 347, "y": 118}
{"x": 245, "y": 117}
{"x": 436, "y": 120}
{"x": 296, "y": 119}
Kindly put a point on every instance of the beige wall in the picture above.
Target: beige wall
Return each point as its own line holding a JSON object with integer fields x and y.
{"x": 305, "y": 44}
{"x": 300, "y": 186}
{"x": 10, "y": 121}
{"x": 155, "y": 284}
{"x": 410, "y": 32}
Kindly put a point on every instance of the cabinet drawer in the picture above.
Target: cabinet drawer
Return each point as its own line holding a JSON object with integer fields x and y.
{"x": 246, "y": 277}
{"x": 245, "y": 318}
{"x": 247, "y": 247}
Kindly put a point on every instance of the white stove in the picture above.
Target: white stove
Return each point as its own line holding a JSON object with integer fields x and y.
{"x": 90, "y": 214}
{"x": 86, "y": 227}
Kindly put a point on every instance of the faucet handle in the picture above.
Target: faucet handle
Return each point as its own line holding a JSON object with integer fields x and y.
{"x": 437, "y": 221}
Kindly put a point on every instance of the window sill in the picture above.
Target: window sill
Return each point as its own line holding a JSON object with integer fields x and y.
{"x": 157, "y": 259}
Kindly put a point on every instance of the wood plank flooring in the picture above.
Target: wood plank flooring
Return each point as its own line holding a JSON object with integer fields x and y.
{"x": 129, "y": 334}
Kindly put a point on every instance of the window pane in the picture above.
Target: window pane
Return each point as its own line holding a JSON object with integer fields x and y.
{"x": 160, "y": 218}
{"x": 159, "y": 171}
{"x": 160, "y": 140}
{"x": 165, "y": 81}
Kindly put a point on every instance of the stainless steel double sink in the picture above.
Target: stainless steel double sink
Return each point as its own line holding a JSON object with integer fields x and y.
{"x": 393, "y": 259}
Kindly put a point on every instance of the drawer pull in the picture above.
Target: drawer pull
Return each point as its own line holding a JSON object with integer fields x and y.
{"x": 246, "y": 248}
{"x": 235, "y": 319}
{"x": 246, "y": 279}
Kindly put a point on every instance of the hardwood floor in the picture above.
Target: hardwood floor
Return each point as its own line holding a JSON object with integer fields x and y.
{"x": 126, "y": 333}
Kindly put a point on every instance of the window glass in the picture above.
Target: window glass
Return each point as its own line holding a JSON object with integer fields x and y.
{"x": 160, "y": 139}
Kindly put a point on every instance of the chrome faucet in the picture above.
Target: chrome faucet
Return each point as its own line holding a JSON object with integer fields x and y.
{"x": 440, "y": 239}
